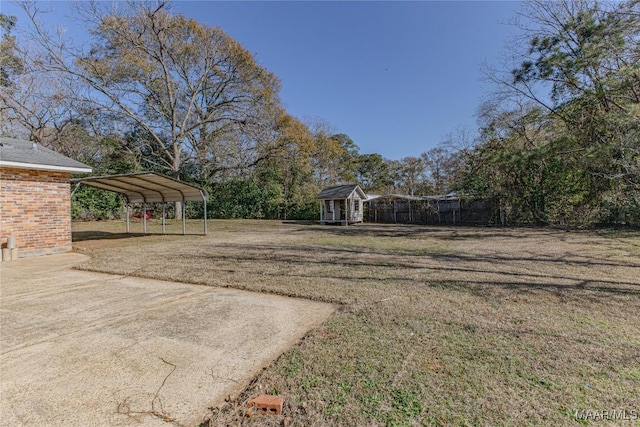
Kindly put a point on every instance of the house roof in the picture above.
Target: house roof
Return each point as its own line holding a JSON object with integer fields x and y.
{"x": 340, "y": 192}
{"x": 146, "y": 187}
{"x": 23, "y": 154}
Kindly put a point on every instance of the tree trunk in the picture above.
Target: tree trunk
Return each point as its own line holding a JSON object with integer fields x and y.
{"x": 176, "y": 175}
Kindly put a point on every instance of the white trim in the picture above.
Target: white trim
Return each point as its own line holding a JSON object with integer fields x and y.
{"x": 361, "y": 193}
{"x": 41, "y": 167}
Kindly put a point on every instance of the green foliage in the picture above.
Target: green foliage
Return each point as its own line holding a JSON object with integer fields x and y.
{"x": 244, "y": 197}
{"x": 372, "y": 172}
{"x": 9, "y": 61}
{"x": 573, "y": 162}
{"x": 347, "y": 158}
{"x": 90, "y": 204}
{"x": 406, "y": 407}
{"x": 237, "y": 198}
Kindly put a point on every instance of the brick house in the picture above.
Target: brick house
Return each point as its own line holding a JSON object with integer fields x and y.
{"x": 35, "y": 198}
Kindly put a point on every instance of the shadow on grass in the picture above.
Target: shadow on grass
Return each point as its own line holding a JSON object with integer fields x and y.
{"x": 300, "y": 222}
{"x": 477, "y": 287}
{"x": 505, "y": 279}
{"x": 300, "y": 252}
{"x": 446, "y": 232}
{"x": 473, "y": 286}
{"x": 83, "y": 236}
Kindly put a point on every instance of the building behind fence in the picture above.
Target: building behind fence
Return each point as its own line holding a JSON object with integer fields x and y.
{"x": 449, "y": 209}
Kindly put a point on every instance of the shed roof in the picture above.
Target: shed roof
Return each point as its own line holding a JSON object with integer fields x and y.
{"x": 146, "y": 187}
{"x": 18, "y": 153}
{"x": 340, "y": 192}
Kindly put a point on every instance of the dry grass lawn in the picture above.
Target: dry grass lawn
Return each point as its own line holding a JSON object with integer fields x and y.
{"x": 438, "y": 326}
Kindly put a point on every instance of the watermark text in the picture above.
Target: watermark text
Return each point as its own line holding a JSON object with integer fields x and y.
{"x": 606, "y": 415}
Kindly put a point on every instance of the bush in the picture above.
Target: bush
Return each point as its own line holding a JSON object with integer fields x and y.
{"x": 90, "y": 204}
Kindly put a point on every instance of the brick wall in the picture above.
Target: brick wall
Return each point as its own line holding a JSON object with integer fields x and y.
{"x": 35, "y": 208}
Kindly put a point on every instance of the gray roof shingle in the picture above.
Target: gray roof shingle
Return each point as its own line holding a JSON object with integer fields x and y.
{"x": 338, "y": 192}
{"x": 29, "y": 155}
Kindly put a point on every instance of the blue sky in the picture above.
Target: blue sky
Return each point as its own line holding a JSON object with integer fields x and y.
{"x": 397, "y": 77}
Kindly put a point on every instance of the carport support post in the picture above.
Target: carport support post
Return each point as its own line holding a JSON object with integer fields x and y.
{"x": 184, "y": 219}
{"x": 164, "y": 211}
{"x": 205, "y": 216}
{"x": 127, "y": 208}
{"x": 144, "y": 217}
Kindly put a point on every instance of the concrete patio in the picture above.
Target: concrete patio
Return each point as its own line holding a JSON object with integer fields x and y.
{"x": 80, "y": 348}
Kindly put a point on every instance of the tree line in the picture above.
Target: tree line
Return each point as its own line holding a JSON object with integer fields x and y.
{"x": 558, "y": 141}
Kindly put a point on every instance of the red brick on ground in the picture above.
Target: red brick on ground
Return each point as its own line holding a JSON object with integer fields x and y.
{"x": 267, "y": 404}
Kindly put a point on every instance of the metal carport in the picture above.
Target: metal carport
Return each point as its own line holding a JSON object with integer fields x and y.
{"x": 149, "y": 187}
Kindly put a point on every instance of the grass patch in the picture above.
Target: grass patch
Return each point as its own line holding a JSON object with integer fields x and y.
{"x": 439, "y": 326}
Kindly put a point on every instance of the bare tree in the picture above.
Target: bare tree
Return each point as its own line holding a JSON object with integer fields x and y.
{"x": 197, "y": 94}
{"x": 35, "y": 104}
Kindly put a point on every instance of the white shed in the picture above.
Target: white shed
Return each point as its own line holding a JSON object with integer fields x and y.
{"x": 341, "y": 204}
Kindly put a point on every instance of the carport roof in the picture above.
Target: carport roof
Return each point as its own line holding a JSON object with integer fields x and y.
{"x": 146, "y": 187}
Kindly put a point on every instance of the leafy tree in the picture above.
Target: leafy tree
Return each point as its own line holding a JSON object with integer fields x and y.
{"x": 332, "y": 155}
{"x": 437, "y": 163}
{"x": 238, "y": 198}
{"x": 581, "y": 49}
{"x": 372, "y": 172}
{"x": 9, "y": 60}
{"x": 91, "y": 204}
{"x": 559, "y": 140}
{"x": 347, "y": 160}
{"x": 408, "y": 175}
{"x": 290, "y": 168}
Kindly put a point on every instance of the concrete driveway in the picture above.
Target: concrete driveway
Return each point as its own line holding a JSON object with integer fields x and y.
{"x": 80, "y": 348}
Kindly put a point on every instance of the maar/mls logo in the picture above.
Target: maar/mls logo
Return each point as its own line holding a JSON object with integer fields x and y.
{"x": 606, "y": 415}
